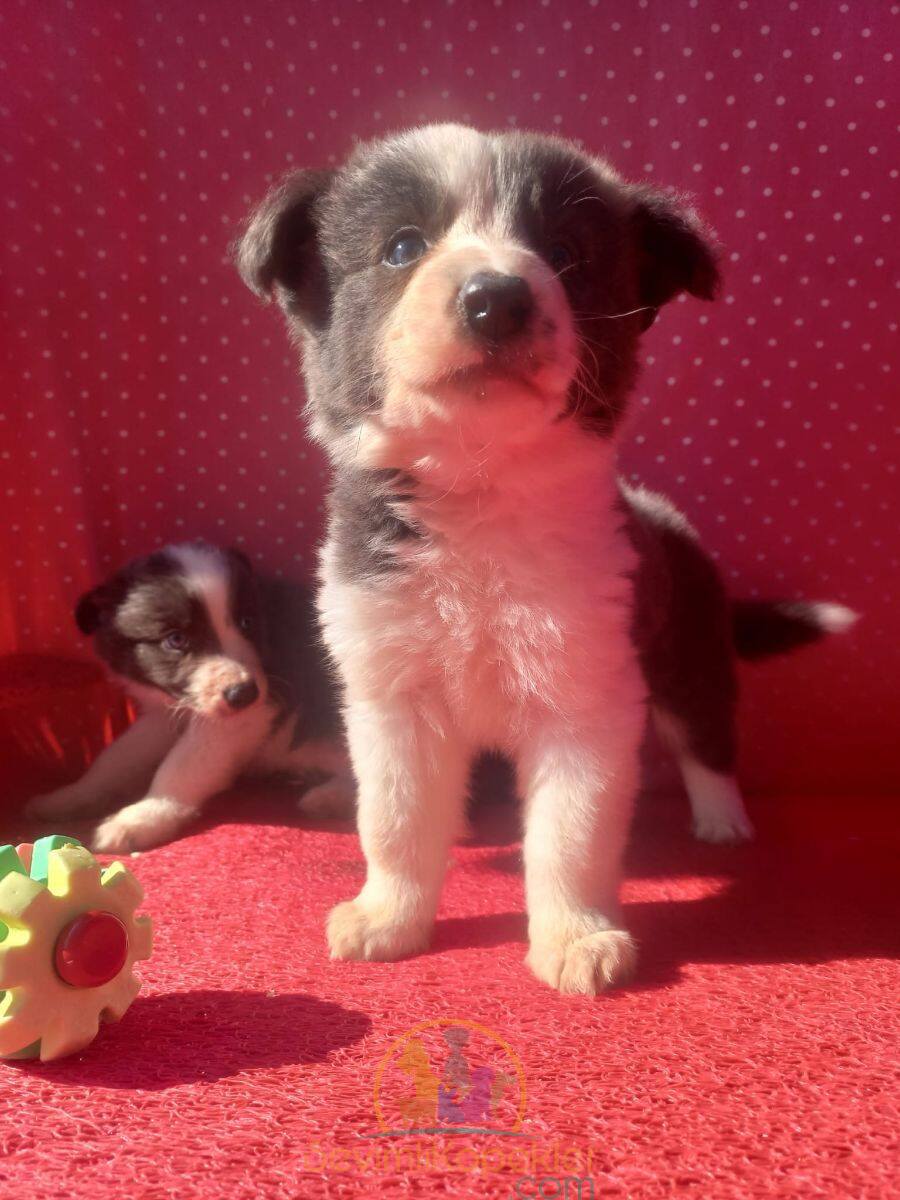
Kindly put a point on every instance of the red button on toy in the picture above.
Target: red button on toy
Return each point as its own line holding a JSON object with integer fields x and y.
{"x": 91, "y": 950}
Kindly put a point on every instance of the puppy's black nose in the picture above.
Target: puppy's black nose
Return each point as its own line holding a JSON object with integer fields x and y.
{"x": 241, "y": 695}
{"x": 496, "y": 307}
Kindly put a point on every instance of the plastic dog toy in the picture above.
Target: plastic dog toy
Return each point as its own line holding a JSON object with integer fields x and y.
{"x": 68, "y": 941}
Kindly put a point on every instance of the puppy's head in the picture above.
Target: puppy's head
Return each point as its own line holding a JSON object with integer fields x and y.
{"x": 446, "y": 275}
{"x": 184, "y": 622}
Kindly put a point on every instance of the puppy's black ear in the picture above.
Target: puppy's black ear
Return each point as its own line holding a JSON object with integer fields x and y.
{"x": 674, "y": 250}
{"x": 279, "y": 249}
{"x": 240, "y": 559}
{"x": 96, "y": 606}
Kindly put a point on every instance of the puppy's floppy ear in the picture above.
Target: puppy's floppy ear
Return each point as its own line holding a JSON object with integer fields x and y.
{"x": 674, "y": 250}
{"x": 96, "y": 606}
{"x": 240, "y": 561}
{"x": 279, "y": 247}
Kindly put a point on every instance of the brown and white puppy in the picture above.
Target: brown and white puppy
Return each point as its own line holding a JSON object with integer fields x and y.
{"x": 469, "y": 308}
{"x": 231, "y": 679}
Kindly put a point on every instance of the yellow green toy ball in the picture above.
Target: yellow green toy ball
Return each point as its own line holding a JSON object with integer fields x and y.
{"x": 69, "y": 939}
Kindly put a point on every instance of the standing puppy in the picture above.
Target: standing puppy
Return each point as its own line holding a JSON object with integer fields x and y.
{"x": 469, "y": 308}
{"x": 231, "y": 680}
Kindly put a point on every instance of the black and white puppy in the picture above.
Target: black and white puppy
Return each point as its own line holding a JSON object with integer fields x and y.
{"x": 231, "y": 679}
{"x": 469, "y": 308}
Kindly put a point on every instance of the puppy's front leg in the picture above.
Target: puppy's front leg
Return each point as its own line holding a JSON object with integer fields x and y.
{"x": 206, "y": 759}
{"x": 579, "y": 789}
{"x": 411, "y": 776}
{"x": 121, "y": 771}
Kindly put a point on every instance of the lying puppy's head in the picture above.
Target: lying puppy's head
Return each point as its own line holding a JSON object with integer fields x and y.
{"x": 184, "y": 622}
{"x": 446, "y": 275}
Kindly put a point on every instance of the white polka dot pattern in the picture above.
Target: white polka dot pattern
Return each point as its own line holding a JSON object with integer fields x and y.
{"x": 148, "y": 398}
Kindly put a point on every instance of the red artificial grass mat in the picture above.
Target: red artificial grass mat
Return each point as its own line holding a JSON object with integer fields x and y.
{"x": 754, "y": 1055}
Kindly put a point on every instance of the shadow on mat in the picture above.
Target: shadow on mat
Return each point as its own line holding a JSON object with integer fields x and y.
{"x": 204, "y": 1036}
{"x": 777, "y": 905}
{"x": 819, "y": 884}
{"x": 488, "y": 929}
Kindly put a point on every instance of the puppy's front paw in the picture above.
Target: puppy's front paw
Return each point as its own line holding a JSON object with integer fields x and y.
{"x": 587, "y": 964}
{"x": 140, "y": 826}
{"x": 355, "y": 932}
{"x": 62, "y": 803}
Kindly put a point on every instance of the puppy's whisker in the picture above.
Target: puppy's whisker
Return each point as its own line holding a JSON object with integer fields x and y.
{"x": 584, "y": 390}
{"x": 569, "y": 177}
{"x": 612, "y": 316}
{"x": 590, "y": 198}
{"x": 444, "y": 495}
{"x": 584, "y": 194}
{"x": 569, "y": 267}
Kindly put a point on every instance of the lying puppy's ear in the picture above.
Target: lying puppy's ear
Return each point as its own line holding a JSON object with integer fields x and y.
{"x": 96, "y": 606}
{"x": 241, "y": 559}
{"x": 279, "y": 250}
{"x": 241, "y": 567}
{"x": 674, "y": 251}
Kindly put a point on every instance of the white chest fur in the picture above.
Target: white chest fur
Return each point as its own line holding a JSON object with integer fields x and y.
{"x": 516, "y": 600}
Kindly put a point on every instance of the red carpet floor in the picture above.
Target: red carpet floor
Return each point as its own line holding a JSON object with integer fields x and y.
{"x": 755, "y": 1055}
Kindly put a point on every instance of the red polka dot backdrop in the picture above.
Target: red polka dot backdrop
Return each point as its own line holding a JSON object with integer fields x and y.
{"x": 148, "y": 397}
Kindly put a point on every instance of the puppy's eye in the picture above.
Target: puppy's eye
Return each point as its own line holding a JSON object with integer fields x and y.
{"x": 405, "y": 247}
{"x": 245, "y": 624}
{"x": 560, "y": 256}
{"x": 176, "y": 640}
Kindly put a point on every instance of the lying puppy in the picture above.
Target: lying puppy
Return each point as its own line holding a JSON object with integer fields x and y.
{"x": 230, "y": 677}
{"x": 469, "y": 308}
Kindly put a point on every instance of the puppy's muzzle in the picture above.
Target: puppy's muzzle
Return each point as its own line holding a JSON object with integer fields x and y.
{"x": 496, "y": 307}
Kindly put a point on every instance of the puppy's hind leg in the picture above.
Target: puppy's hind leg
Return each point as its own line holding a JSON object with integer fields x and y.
{"x": 688, "y": 663}
{"x": 121, "y": 771}
{"x": 704, "y": 750}
{"x": 332, "y": 799}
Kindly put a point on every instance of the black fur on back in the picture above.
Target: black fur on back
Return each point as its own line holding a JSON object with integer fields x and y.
{"x": 682, "y": 628}
{"x": 689, "y": 633}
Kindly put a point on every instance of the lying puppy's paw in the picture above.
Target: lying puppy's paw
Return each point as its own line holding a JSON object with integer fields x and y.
{"x": 335, "y": 798}
{"x": 718, "y": 808}
{"x": 61, "y": 803}
{"x": 723, "y": 827}
{"x": 148, "y": 823}
{"x": 354, "y": 932}
{"x": 585, "y": 965}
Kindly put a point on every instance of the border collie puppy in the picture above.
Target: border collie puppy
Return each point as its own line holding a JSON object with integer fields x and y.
{"x": 469, "y": 308}
{"x": 231, "y": 680}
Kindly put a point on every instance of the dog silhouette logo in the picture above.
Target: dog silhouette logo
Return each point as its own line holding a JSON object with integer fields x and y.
{"x": 449, "y": 1076}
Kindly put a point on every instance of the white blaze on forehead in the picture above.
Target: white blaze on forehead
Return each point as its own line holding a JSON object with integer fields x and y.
{"x": 206, "y": 575}
{"x": 462, "y": 162}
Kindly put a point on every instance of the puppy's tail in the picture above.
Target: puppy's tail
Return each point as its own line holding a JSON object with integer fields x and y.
{"x": 764, "y": 628}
